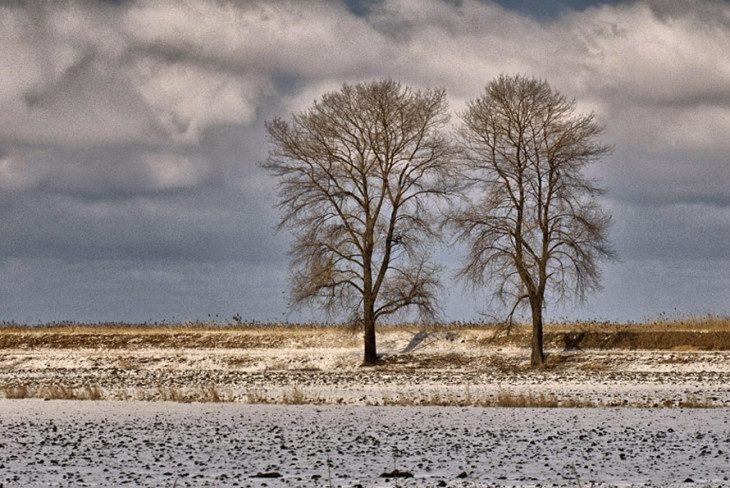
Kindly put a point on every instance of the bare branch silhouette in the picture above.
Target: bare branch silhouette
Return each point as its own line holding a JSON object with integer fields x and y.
{"x": 359, "y": 172}
{"x": 534, "y": 229}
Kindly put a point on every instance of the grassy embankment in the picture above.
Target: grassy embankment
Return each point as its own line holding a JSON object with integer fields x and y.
{"x": 696, "y": 333}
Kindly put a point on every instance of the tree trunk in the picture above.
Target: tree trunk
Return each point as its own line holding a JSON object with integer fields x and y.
{"x": 538, "y": 356}
{"x": 371, "y": 354}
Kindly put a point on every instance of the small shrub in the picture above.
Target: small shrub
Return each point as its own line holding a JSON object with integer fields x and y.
{"x": 295, "y": 396}
{"x": 509, "y": 399}
{"x": 54, "y": 392}
{"x": 17, "y": 392}
{"x": 203, "y": 394}
{"x": 92, "y": 392}
{"x": 693, "y": 402}
{"x": 256, "y": 396}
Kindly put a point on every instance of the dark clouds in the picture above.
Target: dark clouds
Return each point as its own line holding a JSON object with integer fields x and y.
{"x": 130, "y": 133}
{"x": 44, "y": 290}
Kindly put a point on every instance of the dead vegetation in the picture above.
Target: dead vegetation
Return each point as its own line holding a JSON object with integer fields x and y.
{"x": 298, "y": 396}
{"x": 692, "y": 401}
{"x": 53, "y": 392}
{"x": 698, "y": 333}
{"x": 319, "y": 364}
{"x": 709, "y": 333}
{"x": 201, "y": 394}
{"x": 205, "y": 394}
{"x": 529, "y": 400}
{"x": 513, "y": 399}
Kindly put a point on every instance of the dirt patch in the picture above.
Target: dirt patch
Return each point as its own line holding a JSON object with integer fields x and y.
{"x": 712, "y": 340}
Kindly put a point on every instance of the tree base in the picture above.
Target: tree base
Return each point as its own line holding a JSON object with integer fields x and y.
{"x": 369, "y": 362}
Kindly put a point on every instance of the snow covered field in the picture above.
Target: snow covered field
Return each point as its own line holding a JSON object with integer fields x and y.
{"x": 455, "y": 369}
{"x": 74, "y": 443}
{"x": 358, "y": 423}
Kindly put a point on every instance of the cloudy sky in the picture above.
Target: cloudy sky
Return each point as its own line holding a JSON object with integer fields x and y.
{"x": 130, "y": 134}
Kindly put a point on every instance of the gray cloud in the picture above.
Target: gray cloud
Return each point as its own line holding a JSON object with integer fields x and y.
{"x": 130, "y": 133}
{"x": 672, "y": 231}
{"x": 44, "y": 290}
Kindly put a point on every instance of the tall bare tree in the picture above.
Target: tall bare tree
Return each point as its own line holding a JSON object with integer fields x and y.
{"x": 534, "y": 229}
{"x": 358, "y": 172}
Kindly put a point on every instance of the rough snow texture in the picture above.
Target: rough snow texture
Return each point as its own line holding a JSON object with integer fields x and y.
{"x": 71, "y": 443}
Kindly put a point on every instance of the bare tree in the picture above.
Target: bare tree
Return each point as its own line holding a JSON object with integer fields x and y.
{"x": 358, "y": 173}
{"x": 534, "y": 230}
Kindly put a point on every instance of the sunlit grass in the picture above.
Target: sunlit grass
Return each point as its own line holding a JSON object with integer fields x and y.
{"x": 710, "y": 332}
{"x": 661, "y": 323}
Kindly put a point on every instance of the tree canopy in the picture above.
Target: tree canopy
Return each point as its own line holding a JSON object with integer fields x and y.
{"x": 359, "y": 172}
{"x": 532, "y": 225}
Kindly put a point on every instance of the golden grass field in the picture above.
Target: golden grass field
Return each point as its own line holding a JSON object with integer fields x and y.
{"x": 711, "y": 333}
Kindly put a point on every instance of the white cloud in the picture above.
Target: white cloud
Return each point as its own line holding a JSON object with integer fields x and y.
{"x": 162, "y": 73}
{"x": 638, "y": 57}
{"x": 173, "y": 69}
{"x": 70, "y": 77}
{"x": 174, "y": 171}
{"x": 306, "y": 38}
{"x": 187, "y": 98}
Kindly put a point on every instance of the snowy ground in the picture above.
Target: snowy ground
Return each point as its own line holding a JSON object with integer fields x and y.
{"x": 74, "y": 443}
{"x": 342, "y": 439}
{"x": 453, "y": 368}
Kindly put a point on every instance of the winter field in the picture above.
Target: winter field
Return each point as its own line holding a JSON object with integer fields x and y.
{"x": 73, "y": 443}
{"x": 203, "y": 405}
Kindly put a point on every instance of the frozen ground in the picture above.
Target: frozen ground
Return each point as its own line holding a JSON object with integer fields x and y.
{"x": 442, "y": 368}
{"x": 72, "y": 443}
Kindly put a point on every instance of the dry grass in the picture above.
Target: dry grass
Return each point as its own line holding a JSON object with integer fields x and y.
{"x": 692, "y": 401}
{"x": 17, "y": 392}
{"x": 661, "y": 324}
{"x": 503, "y": 398}
{"x": 595, "y": 366}
{"x": 257, "y": 397}
{"x": 509, "y": 399}
{"x": 166, "y": 328}
{"x": 128, "y": 363}
{"x": 53, "y": 392}
{"x": 293, "y": 396}
{"x": 708, "y": 340}
{"x": 296, "y": 396}
{"x": 703, "y": 333}
{"x": 694, "y": 333}
{"x": 203, "y": 394}
{"x": 183, "y": 337}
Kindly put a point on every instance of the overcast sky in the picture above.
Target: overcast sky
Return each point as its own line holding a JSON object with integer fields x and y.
{"x": 130, "y": 134}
